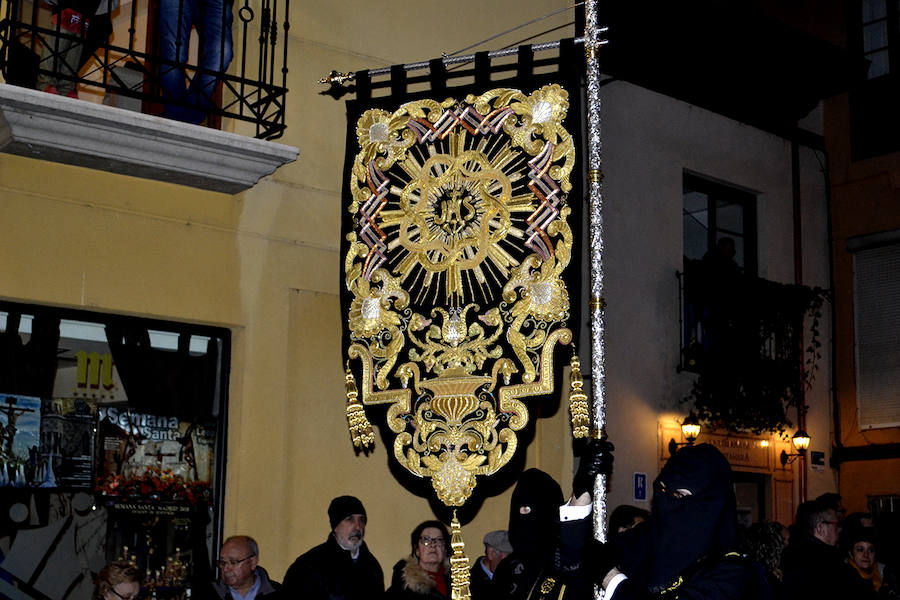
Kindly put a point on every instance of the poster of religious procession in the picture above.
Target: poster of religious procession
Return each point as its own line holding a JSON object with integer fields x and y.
{"x": 67, "y": 442}
{"x": 154, "y": 457}
{"x": 20, "y": 431}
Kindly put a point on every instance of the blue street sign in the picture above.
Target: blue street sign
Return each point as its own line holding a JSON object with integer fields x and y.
{"x": 640, "y": 486}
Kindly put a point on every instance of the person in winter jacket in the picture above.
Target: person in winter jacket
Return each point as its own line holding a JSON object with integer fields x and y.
{"x": 425, "y": 573}
{"x": 340, "y": 568}
{"x": 241, "y": 577}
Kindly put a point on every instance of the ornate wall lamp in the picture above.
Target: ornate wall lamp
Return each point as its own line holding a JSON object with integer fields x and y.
{"x": 801, "y": 443}
{"x": 690, "y": 428}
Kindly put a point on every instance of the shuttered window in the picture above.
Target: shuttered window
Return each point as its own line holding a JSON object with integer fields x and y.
{"x": 876, "y": 265}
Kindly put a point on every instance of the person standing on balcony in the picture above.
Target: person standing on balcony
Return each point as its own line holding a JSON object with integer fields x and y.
{"x": 79, "y": 28}
{"x": 185, "y": 102}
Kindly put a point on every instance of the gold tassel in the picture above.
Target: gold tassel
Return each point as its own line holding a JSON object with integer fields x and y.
{"x": 578, "y": 405}
{"x": 459, "y": 564}
{"x": 360, "y": 429}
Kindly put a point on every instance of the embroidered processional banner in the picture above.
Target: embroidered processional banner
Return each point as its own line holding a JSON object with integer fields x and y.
{"x": 460, "y": 235}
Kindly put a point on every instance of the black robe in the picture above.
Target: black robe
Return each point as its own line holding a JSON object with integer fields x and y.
{"x": 686, "y": 549}
{"x": 546, "y": 557}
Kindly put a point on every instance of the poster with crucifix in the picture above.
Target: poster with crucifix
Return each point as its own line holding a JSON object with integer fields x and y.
{"x": 20, "y": 439}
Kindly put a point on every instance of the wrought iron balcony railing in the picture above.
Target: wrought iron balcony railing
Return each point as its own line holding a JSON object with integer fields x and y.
{"x": 753, "y": 343}
{"x": 726, "y": 313}
{"x": 143, "y": 55}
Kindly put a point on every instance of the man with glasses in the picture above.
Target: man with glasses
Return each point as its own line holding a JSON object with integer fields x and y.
{"x": 241, "y": 576}
{"x": 341, "y": 568}
{"x": 812, "y": 562}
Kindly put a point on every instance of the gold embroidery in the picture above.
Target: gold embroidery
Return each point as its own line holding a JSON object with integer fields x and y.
{"x": 455, "y": 273}
{"x": 360, "y": 429}
{"x": 578, "y": 405}
{"x": 547, "y": 585}
{"x": 459, "y": 564}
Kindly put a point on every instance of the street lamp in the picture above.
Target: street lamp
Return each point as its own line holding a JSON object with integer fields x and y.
{"x": 690, "y": 429}
{"x": 801, "y": 443}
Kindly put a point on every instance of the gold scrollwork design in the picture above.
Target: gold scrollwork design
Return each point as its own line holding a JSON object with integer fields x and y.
{"x": 509, "y": 395}
{"x": 454, "y": 269}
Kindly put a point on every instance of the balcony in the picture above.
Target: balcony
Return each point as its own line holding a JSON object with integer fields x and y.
{"x": 753, "y": 343}
{"x": 119, "y": 72}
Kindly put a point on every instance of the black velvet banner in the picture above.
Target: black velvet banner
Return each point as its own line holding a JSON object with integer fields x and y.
{"x": 461, "y": 250}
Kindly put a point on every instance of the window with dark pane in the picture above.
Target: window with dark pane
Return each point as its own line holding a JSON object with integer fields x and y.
{"x": 713, "y": 212}
{"x": 876, "y": 36}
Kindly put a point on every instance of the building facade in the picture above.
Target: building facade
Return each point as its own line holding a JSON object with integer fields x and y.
{"x": 263, "y": 265}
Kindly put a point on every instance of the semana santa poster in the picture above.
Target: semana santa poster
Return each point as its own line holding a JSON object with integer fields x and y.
{"x": 149, "y": 455}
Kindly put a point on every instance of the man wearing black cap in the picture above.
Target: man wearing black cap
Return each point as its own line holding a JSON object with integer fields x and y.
{"x": 341, "y": 568}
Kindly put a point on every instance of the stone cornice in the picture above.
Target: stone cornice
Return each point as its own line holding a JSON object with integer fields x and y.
{"x": 67, "y": 130}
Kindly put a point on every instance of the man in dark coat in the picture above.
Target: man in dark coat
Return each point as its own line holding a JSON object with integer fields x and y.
{"x": 481, "y": 576}
{"x": 341, "y": 568}
{"x": 686, "y": 549}
{"x": 241, "y": 575}
{"x": 812, "y": 562}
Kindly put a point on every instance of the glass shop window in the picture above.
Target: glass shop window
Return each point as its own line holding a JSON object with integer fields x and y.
{"x": 111, "y": 447}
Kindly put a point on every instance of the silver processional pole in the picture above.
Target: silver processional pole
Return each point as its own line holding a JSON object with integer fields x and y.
{"x": 595, "y": 179}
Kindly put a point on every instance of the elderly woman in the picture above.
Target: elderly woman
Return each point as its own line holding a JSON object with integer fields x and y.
{"x": 425, "y": 574}
{"x": 119, "y": 580}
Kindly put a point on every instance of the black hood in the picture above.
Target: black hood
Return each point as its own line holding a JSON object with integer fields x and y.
{"x": 535, "y": 532}
{"x": 684, "y": 530}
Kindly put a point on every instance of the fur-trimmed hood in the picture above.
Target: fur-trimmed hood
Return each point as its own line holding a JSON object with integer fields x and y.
{"x": 417, "y": 579}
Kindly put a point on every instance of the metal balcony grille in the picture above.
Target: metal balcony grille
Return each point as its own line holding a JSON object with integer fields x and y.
{"x": 747, "y": 318}
{"x": 133, "y": 71}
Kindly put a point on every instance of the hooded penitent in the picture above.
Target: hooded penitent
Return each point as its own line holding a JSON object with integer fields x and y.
{"x": 686, "y": 527}
{"x": 534, "y": 515}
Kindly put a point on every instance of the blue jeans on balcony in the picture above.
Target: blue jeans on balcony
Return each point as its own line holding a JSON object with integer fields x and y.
{"x": 212, "y": 18}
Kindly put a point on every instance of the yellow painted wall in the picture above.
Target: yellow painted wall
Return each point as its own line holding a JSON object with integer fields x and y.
{"x": 861, "y": 480}
{"x": 264, "y": 263}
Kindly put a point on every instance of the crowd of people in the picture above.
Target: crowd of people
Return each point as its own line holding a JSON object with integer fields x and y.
{"x": 688, "y": 546}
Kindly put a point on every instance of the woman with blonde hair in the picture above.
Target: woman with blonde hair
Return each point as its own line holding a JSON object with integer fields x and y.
{"x": 119, "y": 580}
